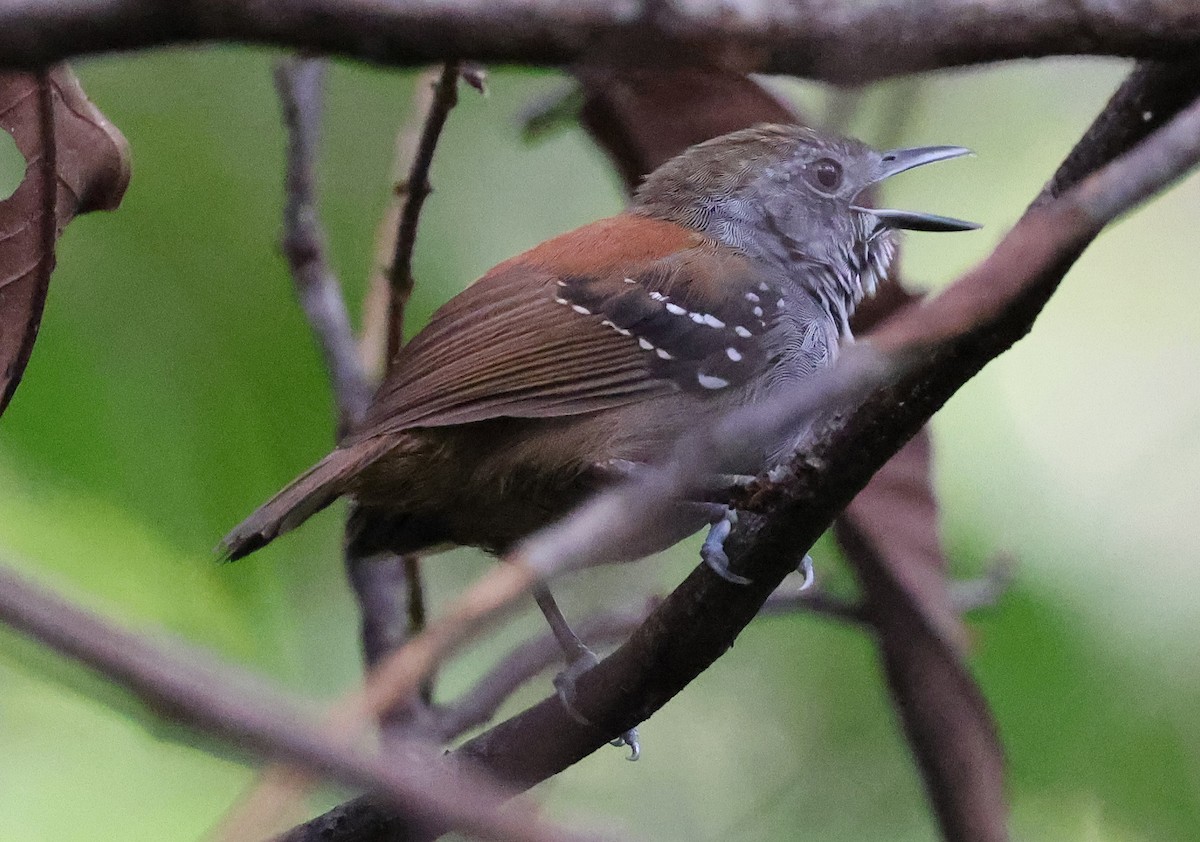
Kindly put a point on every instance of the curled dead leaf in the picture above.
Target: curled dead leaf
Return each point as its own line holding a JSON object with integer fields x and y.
{"x": 76, "y": 161}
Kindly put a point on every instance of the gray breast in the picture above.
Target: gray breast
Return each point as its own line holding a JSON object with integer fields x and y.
{"x": 804, "y": 340}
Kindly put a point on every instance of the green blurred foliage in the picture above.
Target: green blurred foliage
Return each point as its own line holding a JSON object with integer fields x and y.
{"x": 12, "y": 166}
{"x": 175, "y": 386}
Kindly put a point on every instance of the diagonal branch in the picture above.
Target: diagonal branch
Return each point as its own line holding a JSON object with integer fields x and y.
{"x": 843, "y": 41}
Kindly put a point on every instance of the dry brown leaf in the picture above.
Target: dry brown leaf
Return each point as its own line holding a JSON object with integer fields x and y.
{"x": 641, "y": 118}
{"x": 943, "y": 711}
{"x": 898, "y": 514}
{"x": 76, "y": 161}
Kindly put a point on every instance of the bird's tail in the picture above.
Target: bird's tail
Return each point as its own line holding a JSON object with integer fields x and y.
{"x": 306, "y": 495}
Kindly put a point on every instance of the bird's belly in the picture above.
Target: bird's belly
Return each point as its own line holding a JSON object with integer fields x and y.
{"x": 492, "y": 483}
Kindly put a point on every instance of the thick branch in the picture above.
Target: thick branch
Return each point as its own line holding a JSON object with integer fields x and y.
{"x": 844, "y": 41}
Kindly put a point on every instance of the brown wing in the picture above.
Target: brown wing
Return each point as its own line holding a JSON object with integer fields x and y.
{"x": 615, "y": 312}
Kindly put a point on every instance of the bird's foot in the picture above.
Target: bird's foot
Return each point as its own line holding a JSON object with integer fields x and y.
{"x": 564, "y": 683}
{"x": 713, "y": 553}
{"x": 713, "y": 549}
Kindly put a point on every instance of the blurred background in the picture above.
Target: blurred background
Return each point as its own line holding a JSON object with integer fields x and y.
{"x": 175, "y": 386}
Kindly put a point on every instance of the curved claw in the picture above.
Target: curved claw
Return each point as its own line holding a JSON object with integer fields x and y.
{"x": 806, "y": 567}
{"x": 713, "y": 549}
{"x": 629, "y": 738}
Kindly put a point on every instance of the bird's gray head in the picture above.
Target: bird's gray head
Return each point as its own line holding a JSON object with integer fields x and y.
{"x": 795, "y": 198}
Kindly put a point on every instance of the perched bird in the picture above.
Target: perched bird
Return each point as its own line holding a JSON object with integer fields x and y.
{"x": 732, "y": 276}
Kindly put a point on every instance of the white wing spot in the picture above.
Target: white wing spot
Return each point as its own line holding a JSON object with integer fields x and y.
{"x": 558, "y": 299}
{"x": 630, "y": 281}
{"x": 758, "y": 312}
{"x": 658, "y": 296}
{"x": 581, "y": 310}
{"x": 741, "y": 331}
{"x": 734, "y": 354}
{"x": 779, "y": 304}
{"x": 663, "y": 355}
{"x": 561, "y": 283}
{"x": 698, "y": 318}
{"x": 675, "y": 309}
{"x": 763, "y": 287}
{"x": 713, "y": 321}
{"x": 646, "y": 344}
{"x": 710, "y": 382}
{"x": 750, "y": 296}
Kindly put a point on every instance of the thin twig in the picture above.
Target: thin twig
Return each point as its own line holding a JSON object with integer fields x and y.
{"x": 189, "y": 686}
{"x": 416, "y": 188}
{"x": 300, "y": 84}
{"x": 845, "y": 41}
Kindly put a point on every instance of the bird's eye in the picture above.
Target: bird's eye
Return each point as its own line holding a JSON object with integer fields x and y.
{"x": 825, "y": 175}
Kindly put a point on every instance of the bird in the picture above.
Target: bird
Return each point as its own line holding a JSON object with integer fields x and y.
{"x": 731, "y": 277}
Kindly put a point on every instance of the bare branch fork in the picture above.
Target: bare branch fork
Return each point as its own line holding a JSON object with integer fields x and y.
{"x": 844, "y": 41}
{"x": 376, "y": 583}
{"x": 379, "y": 582}
{"x": 959, "y": 332}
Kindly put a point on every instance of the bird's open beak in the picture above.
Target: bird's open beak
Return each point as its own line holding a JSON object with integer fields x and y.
{"x": 900, "y": 160}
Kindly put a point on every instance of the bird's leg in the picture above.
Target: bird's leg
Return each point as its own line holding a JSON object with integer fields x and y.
{"x": 580, "y": 659}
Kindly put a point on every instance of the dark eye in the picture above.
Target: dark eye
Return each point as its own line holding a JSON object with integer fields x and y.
{"x": 825, "y": 174}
